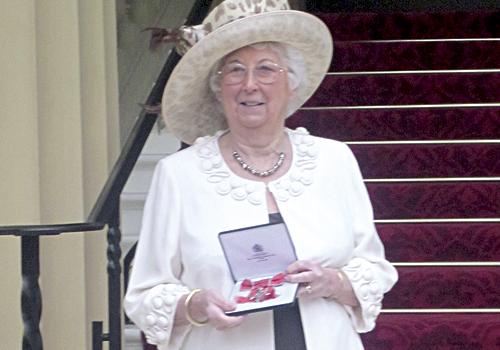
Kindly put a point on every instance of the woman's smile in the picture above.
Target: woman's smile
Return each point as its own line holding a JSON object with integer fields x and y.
{"x": 251, "y": 103}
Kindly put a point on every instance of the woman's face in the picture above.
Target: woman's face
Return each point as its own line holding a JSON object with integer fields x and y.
{"x": 252, "y": 104}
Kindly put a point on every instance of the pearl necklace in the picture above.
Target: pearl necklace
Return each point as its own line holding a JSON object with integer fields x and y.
{"x": 256, "y": 172}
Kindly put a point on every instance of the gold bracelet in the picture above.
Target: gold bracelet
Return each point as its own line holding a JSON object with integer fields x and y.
{"x": 186, "y": 307}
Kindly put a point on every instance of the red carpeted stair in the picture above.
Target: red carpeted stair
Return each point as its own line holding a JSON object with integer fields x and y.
{"x": 406, "y": 89}
{"x": 372, "y": 124}
{"x": 428, "y": 160}
{"x": 417, "y": 97}
{"x": 441, "y": 242}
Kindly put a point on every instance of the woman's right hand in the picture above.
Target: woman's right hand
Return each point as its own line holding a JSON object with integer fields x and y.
{"x": 210, "y": 306}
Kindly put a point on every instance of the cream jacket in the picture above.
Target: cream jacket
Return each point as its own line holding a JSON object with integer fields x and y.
{"x": 194, "y": 196}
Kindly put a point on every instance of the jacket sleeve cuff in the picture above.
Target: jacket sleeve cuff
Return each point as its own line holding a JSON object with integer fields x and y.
{"x": 368, "y": 292}
{"x": 161, "y": 304}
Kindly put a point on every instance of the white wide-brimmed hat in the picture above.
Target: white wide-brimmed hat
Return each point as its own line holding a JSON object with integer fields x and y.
{"x": 189, "y": 107}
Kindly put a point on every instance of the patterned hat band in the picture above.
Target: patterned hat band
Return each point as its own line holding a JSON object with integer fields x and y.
{"x": 228, "y": 11}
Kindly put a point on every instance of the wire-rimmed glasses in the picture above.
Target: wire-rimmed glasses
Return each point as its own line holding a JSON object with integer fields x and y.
{"x": 264, "y": 73}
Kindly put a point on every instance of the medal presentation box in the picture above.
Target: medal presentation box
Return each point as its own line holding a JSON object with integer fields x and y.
{"x": 257, "y": 257}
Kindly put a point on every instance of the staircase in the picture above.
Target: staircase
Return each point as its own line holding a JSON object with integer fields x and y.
{"x": 417, "y": 98}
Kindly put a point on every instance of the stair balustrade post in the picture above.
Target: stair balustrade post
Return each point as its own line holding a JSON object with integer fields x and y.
{"x": 114, "y": 281}
{"x": 97, "y": 335}
{"x": 31, "y": 298}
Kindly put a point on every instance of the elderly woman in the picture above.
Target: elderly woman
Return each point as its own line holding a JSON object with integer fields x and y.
{"x": 253, "y": 64}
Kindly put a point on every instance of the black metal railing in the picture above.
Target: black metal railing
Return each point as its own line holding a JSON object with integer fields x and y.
{"x": 104, "y": 213}
{"x": 31, "y": 297}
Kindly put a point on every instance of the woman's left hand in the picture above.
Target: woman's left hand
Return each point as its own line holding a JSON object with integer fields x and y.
{"x": 315, "y": 280}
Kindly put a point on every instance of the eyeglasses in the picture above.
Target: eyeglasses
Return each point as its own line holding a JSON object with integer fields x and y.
{"x": 265, "y": 73}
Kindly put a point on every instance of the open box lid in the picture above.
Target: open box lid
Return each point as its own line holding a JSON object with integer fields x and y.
{"x": 256, "y": 251}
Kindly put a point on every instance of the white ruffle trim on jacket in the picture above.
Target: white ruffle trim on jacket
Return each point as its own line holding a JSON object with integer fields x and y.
{"x": 367, "y": 289}
{"x": 162, "y": 303}
{"x": 292, "y": 184}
